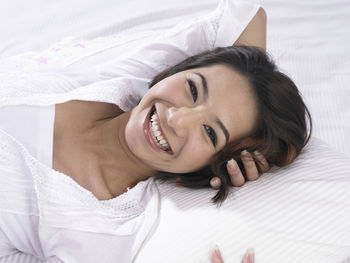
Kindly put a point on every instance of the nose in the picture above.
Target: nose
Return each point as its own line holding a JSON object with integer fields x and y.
{"x": 183, "y": 119}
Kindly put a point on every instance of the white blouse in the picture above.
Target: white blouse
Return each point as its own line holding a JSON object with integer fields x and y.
{"x": 46, "y": 213}
{"x": 32, "y": 126}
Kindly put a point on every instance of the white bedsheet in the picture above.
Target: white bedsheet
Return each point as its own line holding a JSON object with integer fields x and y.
{"x": 310, "y": 42}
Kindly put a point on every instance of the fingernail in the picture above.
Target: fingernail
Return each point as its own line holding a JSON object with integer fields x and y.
{"x": 246, "y": 155}
{"x": 216, "y": 254}
{"x": 258, "y": 155}
{"x": 216, "y": 182}
{"x": 231, "y": 164}
{"x": 251, "y": 254}
{"x": 216, "y": 247}
{"x": 245, "y": 152}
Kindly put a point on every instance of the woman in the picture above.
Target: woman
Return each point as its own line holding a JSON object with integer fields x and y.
{"x": 200, "y": 127}
{"x": 254, "y": 34}
{"x": 175, "y": 127}
{"x": 258, "y": 108}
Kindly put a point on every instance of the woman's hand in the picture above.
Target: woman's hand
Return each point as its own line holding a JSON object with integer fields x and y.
{"x": 249, "y": 161}
{"x": 248, "y": 257}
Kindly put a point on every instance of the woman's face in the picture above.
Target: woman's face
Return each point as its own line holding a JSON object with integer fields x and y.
{"x": 195, "y": 125}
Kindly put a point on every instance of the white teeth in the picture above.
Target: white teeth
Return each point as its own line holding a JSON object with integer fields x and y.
{"x": 161, "y": 142}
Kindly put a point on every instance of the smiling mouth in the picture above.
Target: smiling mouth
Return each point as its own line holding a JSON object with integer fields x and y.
{"x": 156, "y": 132}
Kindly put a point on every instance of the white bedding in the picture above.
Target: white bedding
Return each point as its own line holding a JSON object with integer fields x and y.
{"x": 298, "y": 214}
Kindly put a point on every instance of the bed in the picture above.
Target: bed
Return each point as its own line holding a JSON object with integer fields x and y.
{"x": 300, "y": 213}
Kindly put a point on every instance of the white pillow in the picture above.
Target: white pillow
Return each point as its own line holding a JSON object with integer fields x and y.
{"x": 300, "y": 213}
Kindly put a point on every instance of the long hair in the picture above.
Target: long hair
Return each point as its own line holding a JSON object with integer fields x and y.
{"x": 280, "y": 131}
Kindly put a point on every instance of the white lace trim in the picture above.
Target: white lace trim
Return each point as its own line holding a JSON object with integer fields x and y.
{"x": 211, "y": 25}
{"x": 61, "y": 199}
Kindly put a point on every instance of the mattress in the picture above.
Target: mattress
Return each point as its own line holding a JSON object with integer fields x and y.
{"x": 295, "y": 214}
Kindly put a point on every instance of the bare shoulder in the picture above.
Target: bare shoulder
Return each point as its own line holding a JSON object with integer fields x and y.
{"x": 81, "y": 114}
{"x": 255, "y": 33}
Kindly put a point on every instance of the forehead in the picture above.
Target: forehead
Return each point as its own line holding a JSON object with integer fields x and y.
{"x": 230, "y": 98}
{"x": 224, "y": 76}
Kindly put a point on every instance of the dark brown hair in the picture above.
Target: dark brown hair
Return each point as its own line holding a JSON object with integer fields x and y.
{"x": 281, "y": 130}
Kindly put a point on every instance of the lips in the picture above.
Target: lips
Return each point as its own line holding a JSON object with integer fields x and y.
{"x": 148, "y": 135}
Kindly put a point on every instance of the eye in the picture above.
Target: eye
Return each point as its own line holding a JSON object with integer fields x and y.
{"x": 211, "y": 133}
{"x": 193, "y": 90}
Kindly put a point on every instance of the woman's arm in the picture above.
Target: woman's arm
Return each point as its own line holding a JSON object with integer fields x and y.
{"x": 255, "y": 33}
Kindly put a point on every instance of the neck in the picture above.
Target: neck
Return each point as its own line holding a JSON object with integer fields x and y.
{"x": 119, "y": 166}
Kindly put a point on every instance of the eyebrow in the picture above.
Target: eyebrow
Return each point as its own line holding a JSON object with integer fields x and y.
{"x": 206, "y": 95}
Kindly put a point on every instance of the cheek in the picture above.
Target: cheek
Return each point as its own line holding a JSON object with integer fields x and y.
{"x": 197, "y": 154}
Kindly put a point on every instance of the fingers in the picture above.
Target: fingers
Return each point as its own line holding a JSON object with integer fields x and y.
{"x": 216, "y": 256}
{"x": 249, "y": 257}
{"x": 261, "y": 161}
{"x": 235, "y": 173}
{"x": 249, "y": 166}
{"x": 251, "y": 162}
{"x": 215, "y": 182}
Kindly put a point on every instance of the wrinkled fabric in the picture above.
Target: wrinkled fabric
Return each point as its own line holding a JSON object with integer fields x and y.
{"x": 46, "y": 213}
